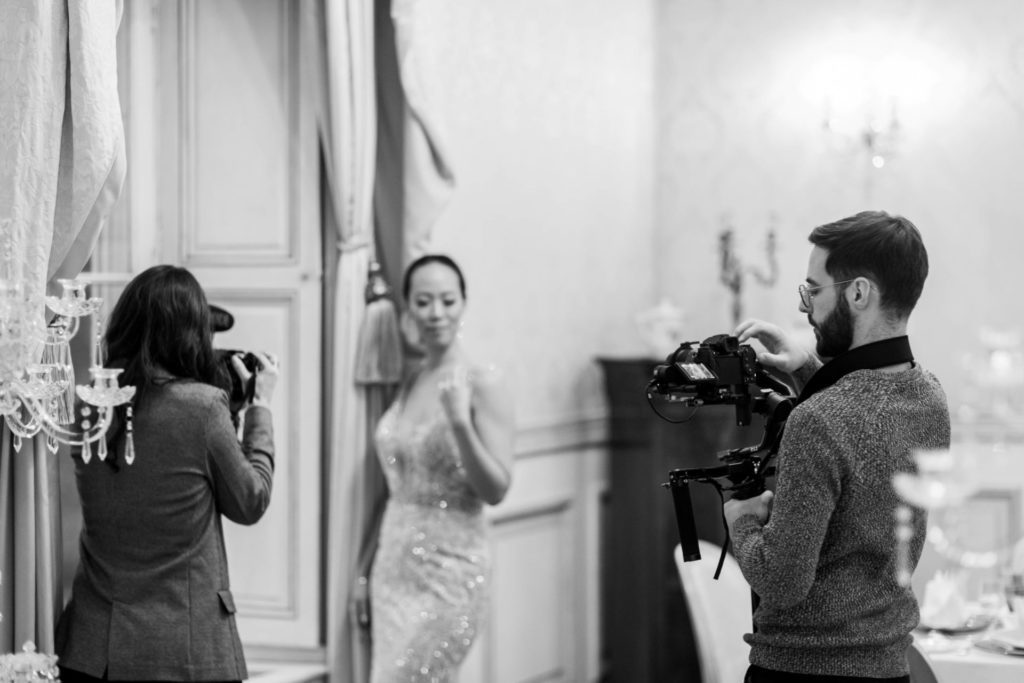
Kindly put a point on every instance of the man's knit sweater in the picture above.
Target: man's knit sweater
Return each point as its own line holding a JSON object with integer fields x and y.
{"x": 824, "y": 566}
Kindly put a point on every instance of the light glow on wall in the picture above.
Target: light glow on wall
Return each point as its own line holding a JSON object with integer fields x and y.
{"x": 870, "y": 86}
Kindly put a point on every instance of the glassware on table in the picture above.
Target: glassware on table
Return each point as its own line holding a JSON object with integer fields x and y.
{"x": 992, "y": 598}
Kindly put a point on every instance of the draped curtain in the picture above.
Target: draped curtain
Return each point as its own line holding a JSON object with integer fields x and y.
{"x": 29, "y": 544}
{"x": 62, "y": 167}
{"x": 387, "y": 179}
{"x": 415, "y": 178}
{"x": 343, "y": 30}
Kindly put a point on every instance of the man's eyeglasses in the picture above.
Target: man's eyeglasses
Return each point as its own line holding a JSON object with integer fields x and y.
{"x": 807, "y": 293}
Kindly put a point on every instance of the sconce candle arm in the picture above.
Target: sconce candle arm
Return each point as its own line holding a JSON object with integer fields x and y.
{"x": 771, "y": 276}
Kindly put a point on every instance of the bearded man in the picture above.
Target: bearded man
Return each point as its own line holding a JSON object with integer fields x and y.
{"x": 820, "y": 551}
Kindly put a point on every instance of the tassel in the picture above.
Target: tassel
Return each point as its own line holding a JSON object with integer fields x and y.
{"x": 51, "y": 443}
{"x": 129, "y": 442}
{"x": 379, "y": 349}
{"x": 17, "y": 444}
{"x": 101, "y": 452}
{"x": 86, "y": 449}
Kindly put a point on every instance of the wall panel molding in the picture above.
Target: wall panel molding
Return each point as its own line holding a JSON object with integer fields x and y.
{"x": 545, "y": 528}
{"x": 564, "y": 435}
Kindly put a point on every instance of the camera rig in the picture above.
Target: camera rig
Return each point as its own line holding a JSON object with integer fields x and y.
{"x": 721, "y": 371}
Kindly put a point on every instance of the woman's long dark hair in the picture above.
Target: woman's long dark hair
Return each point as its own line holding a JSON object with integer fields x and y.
{"x": 161, "y": 326}
{"x": 427, "y": 259}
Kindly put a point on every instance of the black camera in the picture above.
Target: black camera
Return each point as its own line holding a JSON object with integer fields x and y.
{"x": 721, "y": 371}
{"x": 227, "y": 379}
{"x": 718, "y": 370}
{"x": 220, "y": 319}
{"x": 238, "y": 394}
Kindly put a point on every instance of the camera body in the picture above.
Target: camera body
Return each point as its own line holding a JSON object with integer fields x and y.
{"x": 718, "y": 370}
{"x": 238, "y": 393}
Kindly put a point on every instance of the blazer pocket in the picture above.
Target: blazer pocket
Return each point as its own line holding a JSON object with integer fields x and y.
{"x": 227, "y": 601}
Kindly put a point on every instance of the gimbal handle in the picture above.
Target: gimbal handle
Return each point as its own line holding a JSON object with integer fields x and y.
{"x": 679, "y": 484}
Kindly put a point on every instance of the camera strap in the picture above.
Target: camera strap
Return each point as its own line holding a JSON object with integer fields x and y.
{"x": 877, "y": 354}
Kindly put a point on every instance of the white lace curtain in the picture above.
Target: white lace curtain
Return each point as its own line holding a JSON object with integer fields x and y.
{"x": 62, "y": 167}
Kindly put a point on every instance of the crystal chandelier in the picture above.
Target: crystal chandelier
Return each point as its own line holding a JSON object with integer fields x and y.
{"x": 37, "y": 381}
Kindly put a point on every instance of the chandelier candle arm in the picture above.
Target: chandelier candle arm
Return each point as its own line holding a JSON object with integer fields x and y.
{"x": 41, "y": 421}
{"x": 37, "y": 382}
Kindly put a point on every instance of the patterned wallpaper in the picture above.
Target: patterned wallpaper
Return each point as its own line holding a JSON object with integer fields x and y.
{"x": 548, "y": 111}
{"x": 600, "y": 147}
{"x": 740, "y": 106}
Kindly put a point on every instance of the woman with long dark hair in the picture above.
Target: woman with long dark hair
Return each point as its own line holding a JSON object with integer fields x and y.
{"x": 151, "y": 598}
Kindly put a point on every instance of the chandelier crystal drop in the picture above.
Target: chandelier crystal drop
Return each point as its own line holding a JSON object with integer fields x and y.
{"x": 37, "y": 377}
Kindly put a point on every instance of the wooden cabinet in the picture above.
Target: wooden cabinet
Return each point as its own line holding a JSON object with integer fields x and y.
{"x": 647, "y": 630}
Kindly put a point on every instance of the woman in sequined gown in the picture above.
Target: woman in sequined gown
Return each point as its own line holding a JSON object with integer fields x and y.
{"x": 445, "y": 447}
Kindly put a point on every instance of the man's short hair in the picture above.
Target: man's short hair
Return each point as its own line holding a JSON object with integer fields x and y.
{"x": 884, "y": 248}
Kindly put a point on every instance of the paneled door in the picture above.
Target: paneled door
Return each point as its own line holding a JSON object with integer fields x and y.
{"x": 238, "y": 197}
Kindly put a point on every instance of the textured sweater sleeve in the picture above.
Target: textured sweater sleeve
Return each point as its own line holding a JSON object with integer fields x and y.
{"x": 779, "y": 560}
{"x": 242, "y": 473}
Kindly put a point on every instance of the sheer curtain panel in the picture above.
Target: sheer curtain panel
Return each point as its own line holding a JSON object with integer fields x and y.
{"x": 347, "y": 119}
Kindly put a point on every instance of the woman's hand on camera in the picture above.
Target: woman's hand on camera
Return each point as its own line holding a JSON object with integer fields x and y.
{"x": 781, "y": 351}
{"x": 266, "y": 376}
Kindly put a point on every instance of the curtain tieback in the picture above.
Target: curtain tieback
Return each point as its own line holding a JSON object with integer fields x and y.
{"x": 353, "y": 244}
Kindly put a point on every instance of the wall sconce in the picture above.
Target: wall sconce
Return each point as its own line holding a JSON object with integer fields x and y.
{"x": 877, "y": 135}
{"x": 732, "y": 272}
{"x": 866, "y": 86}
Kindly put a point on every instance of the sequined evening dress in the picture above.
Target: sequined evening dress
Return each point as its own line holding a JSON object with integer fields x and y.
{"x": 429, "y": 582}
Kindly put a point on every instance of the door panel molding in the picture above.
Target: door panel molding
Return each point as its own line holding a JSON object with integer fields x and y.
{"x": 211, "y": 141}
{"x": 238, "y": 197}
{"x": 274, "y": 594}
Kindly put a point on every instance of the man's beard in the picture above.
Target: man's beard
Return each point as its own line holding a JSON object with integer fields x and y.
{"x": 835, "y": 334}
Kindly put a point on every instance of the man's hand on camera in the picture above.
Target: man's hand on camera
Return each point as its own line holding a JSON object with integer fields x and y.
{"x": 266, "y": 376}
{"x": 780, "y": 352}
{"x": 760, "y": 507}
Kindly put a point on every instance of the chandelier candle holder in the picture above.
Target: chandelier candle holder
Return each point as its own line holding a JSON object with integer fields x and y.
{"x": 28, "y": 666}
{"x": 37, "y": 379}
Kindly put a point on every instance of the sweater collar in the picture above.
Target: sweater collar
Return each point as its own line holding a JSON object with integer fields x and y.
{"x": 877, "y": 354}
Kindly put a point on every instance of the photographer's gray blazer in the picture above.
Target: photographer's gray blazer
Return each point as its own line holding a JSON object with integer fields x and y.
{"x": 151, "y": 598}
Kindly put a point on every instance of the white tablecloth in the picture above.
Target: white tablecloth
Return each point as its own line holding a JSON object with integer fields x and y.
{"x": 972, "y": 665}
{"x": 977, "y": 666}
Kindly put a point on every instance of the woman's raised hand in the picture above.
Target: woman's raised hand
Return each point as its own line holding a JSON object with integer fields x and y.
{"x": 455, "y": 392}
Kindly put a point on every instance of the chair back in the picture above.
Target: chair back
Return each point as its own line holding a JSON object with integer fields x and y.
{"x": 720, "y": 611}
{"x": 921, "y": 670}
